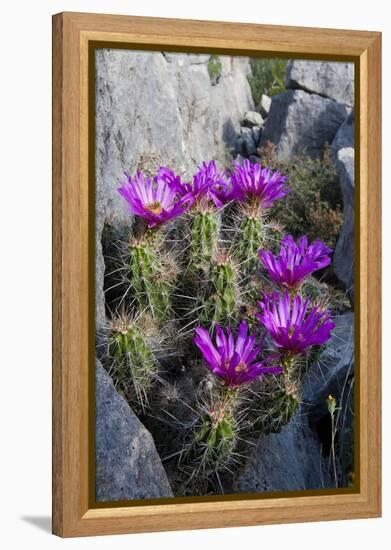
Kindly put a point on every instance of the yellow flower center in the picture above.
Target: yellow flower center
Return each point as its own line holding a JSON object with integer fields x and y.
{"x": 154, "y": 207}
{"x": 241, "y": 367}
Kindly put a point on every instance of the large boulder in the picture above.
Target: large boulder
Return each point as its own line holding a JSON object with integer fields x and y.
{"x": 165, "y": 105}
{"x": 344, "y": 250}
{"x": 290, "y": 460}
{"x": 333, "y": 371}
{"x": 333, "y": 79}
{"x": 334, "y": 375}
{"x": 299, "y": 122}
{"x": 345, "y": 135}
{"x": 127, "y": 464}
{"x": 298, "y": 456}
{"x": 342, "y": 154}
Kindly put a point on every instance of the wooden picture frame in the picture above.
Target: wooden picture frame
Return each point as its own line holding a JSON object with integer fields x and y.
{"x": 74, "y": 37}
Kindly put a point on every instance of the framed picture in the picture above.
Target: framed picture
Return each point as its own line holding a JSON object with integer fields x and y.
{"x": 216, "y": 234}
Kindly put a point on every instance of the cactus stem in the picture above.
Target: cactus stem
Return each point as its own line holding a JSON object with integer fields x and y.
{"x": 222, "y": 302}
{"x": 148, "y": 277}
{"x": 251, "y": 238}
{"x": 214, "y": 442}
{"x": 133, "y": 359}
{"x": 204, "y": 235}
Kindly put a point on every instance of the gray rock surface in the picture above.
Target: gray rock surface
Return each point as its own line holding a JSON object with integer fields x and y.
{"x": 345, "y": 135}
{"x": 252, "y": 118}
{"x": 161, "y": 103}
{"x": 326, "y": 78}
{"x": 290, "y": 460}
{"x": 264, "y": 105}
{"x": 127, "y": 464}
{"x": 256, "y": 132}
{"x": 344, "y": 250}
{"x": 300, "y": 122}
{"x": 330, "y": 376}
{"x": 246, "y": 144}
{"x": 334, "y": 375}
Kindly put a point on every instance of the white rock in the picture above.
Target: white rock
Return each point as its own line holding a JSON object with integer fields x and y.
{"x": 252, "y": 118}
{"x": 264, "y": 105}
{"x": 344, "y": 251}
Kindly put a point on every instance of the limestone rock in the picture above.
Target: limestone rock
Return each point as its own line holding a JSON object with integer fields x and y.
{"x": 345, "y": 135}
{"x": 286, "y": 461}
{"x": 344, "y": 250}
{"x": 293, "y": 459}
{"x": 302, "y": 123}
{"x": 256, "y": 132}
{"x": 334, "y": 375}
{"x": 127, "y": 464}
{"x": 252, "y": 118}
{"x": 336, "y": 365}
{"x": 331, "y": 79}
{"x": 264, "y": 105}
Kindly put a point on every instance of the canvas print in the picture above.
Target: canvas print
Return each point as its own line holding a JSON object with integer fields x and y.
{"x": 224, "y": 275}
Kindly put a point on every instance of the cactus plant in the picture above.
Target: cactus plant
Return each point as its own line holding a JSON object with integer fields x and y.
{"x": 244, "y": 308}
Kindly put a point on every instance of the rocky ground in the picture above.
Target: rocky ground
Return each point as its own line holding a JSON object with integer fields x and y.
{"x": 175, "y": 107}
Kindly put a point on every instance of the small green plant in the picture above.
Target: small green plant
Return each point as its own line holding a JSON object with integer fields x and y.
{"x": 214, "y": 68}
{"x": 332, "y": 408}
{"x": 268, "y": 77}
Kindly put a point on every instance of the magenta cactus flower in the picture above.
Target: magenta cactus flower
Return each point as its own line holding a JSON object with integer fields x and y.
{"x": 293, "y": 326}
{"x": 234, "y": 362}
{"x": 208, "y": 186}
{"x": 173, "y": 180}
{"x": 156, "y": 201}
{"x": 295, "y": 261}
{"x": 252, "y": 183}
